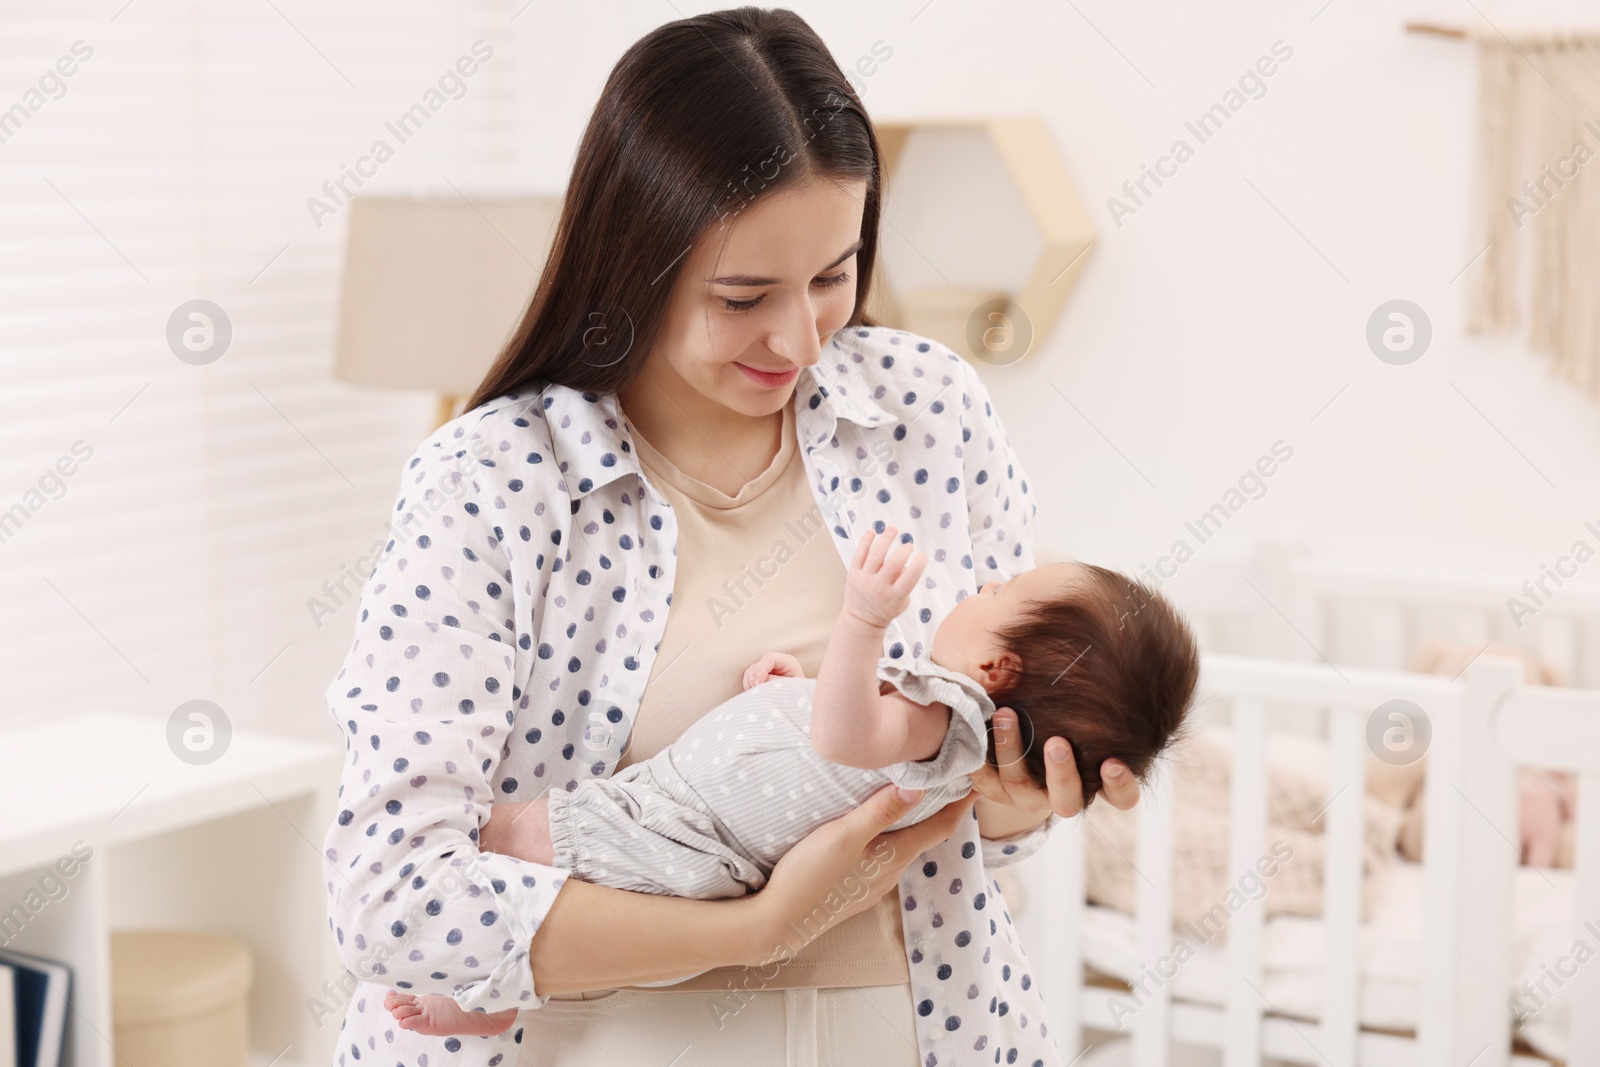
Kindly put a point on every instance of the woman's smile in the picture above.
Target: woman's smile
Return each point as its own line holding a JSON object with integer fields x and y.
{"x": 768, "y": 379}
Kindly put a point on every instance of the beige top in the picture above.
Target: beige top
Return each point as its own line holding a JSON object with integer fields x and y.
{"x": 756, "y": 573}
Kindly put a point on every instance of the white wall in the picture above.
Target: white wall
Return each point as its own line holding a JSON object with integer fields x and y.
{"x": 1205, "y": 328}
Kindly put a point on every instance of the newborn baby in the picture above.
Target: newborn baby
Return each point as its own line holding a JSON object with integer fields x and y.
{"x": 1078, "y": 651}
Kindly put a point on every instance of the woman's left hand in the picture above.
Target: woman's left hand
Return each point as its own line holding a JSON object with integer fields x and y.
{"x": 1007, "y": 785}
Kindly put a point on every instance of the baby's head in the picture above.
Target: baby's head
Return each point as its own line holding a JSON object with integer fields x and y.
{"x": 1079, "y": 652}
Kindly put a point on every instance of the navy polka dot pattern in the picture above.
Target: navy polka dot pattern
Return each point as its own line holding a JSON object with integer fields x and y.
{"x": 501, "y": 650}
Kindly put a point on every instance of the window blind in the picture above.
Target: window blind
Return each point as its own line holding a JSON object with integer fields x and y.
{"x": 163, "y": 525}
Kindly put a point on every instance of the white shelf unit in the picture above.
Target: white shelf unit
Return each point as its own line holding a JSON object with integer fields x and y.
{"x": 231, "y": 847}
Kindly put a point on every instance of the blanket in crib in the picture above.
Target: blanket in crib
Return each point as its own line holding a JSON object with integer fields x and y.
{"x": 1297, "y": 793}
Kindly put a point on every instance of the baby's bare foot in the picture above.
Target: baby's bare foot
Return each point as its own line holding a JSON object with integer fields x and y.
{"x": 438, "y": 1016}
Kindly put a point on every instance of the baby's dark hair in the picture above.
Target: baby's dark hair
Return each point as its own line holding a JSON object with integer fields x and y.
{"x": 1110, "y": 666}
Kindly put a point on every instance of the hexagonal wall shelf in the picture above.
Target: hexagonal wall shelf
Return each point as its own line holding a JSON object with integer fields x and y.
{"x": 954, "y": 315}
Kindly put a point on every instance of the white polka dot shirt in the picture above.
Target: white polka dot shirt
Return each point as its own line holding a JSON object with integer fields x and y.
{"x": 502, "y": 647}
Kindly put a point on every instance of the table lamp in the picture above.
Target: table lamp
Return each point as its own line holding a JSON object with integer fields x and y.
{"x": 434, "y": 286}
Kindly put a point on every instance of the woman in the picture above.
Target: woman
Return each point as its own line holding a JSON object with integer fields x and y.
{"x": 655, "y": 484}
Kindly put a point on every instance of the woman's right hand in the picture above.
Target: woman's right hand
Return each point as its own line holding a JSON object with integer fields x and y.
{"x": 843, "y": 867}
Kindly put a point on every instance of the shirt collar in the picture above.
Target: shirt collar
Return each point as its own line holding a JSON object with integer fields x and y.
{"x": 594, "y": 447}
{"x": 835, "y": 389}
{"x": 589, "y": 436}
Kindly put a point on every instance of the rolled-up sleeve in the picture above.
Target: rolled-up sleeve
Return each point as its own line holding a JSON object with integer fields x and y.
{"x": 427, "y": 702}
{"x": 1004, "y": 851}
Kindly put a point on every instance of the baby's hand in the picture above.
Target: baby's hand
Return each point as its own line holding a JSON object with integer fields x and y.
{"x": 438, "y": 1016}
{"x": 881, "y": 576}
{"x": 772, "y": 665}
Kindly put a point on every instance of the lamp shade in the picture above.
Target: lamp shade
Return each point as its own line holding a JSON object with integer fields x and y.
{"x": 434, "y": 286}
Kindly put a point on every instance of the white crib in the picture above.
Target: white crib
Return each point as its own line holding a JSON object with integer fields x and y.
{"x": 1282, "y": 601}
{"x": 1483, "y": 726}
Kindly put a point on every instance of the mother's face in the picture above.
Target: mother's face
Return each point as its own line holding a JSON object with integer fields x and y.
{"x": 760, "y": 293}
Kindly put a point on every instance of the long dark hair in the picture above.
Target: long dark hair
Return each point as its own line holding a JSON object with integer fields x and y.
{"x": 697, "y": 119}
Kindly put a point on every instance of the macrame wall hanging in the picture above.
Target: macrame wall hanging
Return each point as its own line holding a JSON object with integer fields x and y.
{"x": 1538, "y": 195}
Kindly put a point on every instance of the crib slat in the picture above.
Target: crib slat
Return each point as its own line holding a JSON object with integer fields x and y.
{"x": 1558, "y": 644}
{"x": 1489, "y": 789}
{"x": 1058, "y": 869}
{"x": 1586, "y": 650}
{"x": 1584, "y": 1020}
{"x": 1152, "y": 1026}
{"x": 1344, "y": 828}
{"x": 1246, "y": 845}
{"x": 1442, "y": 859}
{"x": 1468, "y": 862}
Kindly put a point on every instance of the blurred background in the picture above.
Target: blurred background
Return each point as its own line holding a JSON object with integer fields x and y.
{"x": 184, "y": 516}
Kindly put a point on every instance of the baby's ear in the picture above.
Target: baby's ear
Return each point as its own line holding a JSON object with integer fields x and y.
{"x": 1001, "y": 673}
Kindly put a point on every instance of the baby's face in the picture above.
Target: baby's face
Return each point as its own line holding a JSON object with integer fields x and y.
{"x": 968, "y": 639}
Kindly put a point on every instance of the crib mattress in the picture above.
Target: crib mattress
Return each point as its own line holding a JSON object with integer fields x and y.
{"x": 1389, "y": 955}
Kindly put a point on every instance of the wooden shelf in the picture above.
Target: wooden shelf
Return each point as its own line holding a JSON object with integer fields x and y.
{"x": 1062, "y": 221}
